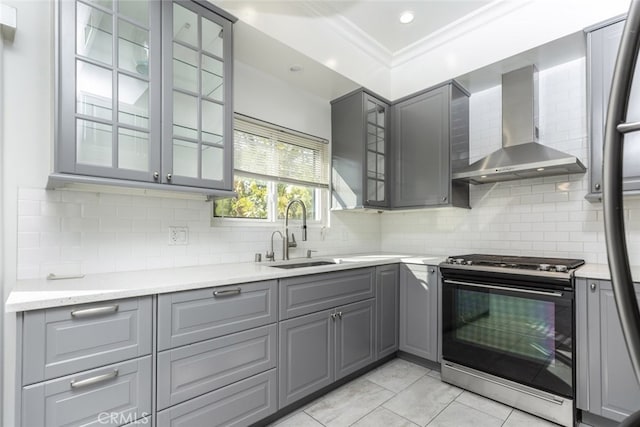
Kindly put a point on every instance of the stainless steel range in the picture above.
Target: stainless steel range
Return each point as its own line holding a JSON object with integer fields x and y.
{"x": 508, "y": 330}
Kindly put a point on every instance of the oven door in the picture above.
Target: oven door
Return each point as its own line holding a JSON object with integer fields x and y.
{"x": 518, "y": 333}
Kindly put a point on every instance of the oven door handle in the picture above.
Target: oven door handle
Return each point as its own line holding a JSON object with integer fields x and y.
{"x": 504, "y": 288}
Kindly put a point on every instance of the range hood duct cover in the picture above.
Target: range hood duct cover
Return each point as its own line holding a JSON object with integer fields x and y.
{"x": 521, "y": 156}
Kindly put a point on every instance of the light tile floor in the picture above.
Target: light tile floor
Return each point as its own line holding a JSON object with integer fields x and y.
{"x": 403, "y": 394}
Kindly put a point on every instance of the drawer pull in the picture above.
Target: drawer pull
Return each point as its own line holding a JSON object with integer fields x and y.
{"x": 94, "y": 380}
{"x": 96, "y": 311}
{"x": 226, "y": 292}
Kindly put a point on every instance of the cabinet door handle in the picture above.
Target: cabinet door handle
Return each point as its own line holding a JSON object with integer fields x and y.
{"x": 340, "y": 314}
{"x": 95, "y": 311}
{"x": 333, "y": 316}
{"x": 227, "y": 292}
{"x": 593, "y": 287}
{"x": 94, "y": 380}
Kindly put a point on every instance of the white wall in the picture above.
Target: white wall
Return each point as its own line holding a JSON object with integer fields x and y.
{"x": 542, "y": 216}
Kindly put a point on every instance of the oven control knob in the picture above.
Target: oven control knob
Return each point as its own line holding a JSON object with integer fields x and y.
{"x": 451, "y": 260}
{"x": 544, "y": 267}
{"x": 460, "y": 261}
{"x": 469, "y": 262}
{"x": 561, "y": 268}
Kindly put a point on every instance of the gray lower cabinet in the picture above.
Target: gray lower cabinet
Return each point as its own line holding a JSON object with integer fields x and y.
{"x": 602, "y": 49}
{"x": 308, "y": 294}
{"x": 113, "y": 395}
{"x": 606, "y": 382}
{"x": 237, "y": 405}
{"x": 387, "y": 301}
{"x": 306, "y": 355}
{"x": 193, "y": 370}
{"x": 419, "y": 323}
{"x": 320, "y": 348}
{"x": 430, "y": 141}
{"x": 60, "y": 341}
{"x": 192, "y": 316}
{"x": 355, "y": 337}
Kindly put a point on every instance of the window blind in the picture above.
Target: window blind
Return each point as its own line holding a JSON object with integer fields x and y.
{"x": 264, "y": 150}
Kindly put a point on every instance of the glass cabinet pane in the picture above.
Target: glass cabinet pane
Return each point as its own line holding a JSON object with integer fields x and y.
{"x": 133, "y": 150}
{"x": 185, "y": 25}
{"x": 133, "y": 101}
{"x": 212, "y": 78}
{"x": 93, "y": 143}
{"x": 185, "y": 158}
{"x": 133, "y": 48}
{"x": 185, "y": 68}
{"x": 185, "y": 115}
{"x": 212, "y": 35}
{"x": 94, "y": 33}
{"x": 94, "y": 96}
{"x": 212, "y": 162}
{"x": 136, "y": 10}
{"x": 212, "y": 122}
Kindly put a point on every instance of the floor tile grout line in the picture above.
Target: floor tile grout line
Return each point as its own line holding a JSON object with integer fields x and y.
{"x": 401, "y": 416}
{"x": 443, "y": 409}
{"x": 480, "y": 410}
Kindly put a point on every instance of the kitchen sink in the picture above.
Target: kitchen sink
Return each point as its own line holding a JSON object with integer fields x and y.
{"x": 304, "y": 264}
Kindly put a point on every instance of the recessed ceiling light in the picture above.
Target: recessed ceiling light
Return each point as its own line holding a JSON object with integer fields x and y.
{"x": 295, "y": 68}
{"x": 483, "y": 176}
{"x": 406, "y": 17}
{"x": 540, "y": 169}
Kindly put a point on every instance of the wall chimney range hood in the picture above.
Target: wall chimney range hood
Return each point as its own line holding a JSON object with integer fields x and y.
{"x": 521, "y": 156}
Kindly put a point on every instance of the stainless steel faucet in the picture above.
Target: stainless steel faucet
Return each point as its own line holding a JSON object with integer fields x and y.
{"x": 293, "y": 243}
{"x": 270, "y": 255}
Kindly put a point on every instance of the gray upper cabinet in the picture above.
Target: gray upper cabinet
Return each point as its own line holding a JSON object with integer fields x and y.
{"x": 430, "y": 141}
{"x": 144, "y": 95}
{"x": 606, "y": 383}
{"x": 419, "y": 323}
{"x": 387, "y": 300}
{"x": 360, "y": 151}
{"x": 602, "y": 48}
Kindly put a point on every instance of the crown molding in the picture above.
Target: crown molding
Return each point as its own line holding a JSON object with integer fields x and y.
{"x": 349, "y": 31}
{"x": 482, "y": 16}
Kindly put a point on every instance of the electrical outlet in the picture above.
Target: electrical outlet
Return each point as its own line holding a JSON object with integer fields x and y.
{"x": 178, "y": 235}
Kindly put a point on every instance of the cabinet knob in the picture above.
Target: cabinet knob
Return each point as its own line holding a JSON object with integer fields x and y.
{"x": 333, "y": 316}
{"x": 156, "y": 175}
{"x": 444, "y": 198}
{"x": 593, "y": 287}
{"x": 169, "y": 176}
{"x": 340, "y": 314}
{"x": 597, "y": 186}
{"x": 432, "y": 270}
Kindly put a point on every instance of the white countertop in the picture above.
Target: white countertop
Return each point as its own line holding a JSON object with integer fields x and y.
{"x": 601, "y": 272}
{"x": 42, "y": 293}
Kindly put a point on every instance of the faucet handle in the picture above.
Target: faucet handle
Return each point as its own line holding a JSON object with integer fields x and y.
{"x": 293, "y": 243}
{"x": 309, "y": 252}
{"x": 270, "y": 255}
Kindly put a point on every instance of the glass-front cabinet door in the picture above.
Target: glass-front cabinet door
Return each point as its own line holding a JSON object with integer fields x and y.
{"x": 144, "y": 92}
{"x": 197, "y": 112}
{"x": 376, "y": 123}
{"x": 109, "y": 63}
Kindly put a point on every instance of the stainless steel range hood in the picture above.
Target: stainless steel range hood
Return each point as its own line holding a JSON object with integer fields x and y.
{"x": 521, "y": 156}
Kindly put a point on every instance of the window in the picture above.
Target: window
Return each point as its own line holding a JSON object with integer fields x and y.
{"x": 274, "y": 165}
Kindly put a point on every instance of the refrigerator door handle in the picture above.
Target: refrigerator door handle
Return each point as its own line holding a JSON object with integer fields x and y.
{"x": 617, "y": 254}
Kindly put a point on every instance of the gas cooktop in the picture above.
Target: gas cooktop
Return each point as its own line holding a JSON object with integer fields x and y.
{"x": 559, "y": 265}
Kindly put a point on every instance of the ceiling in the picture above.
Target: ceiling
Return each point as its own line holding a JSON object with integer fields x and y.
{"x": 379, "y": 19}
